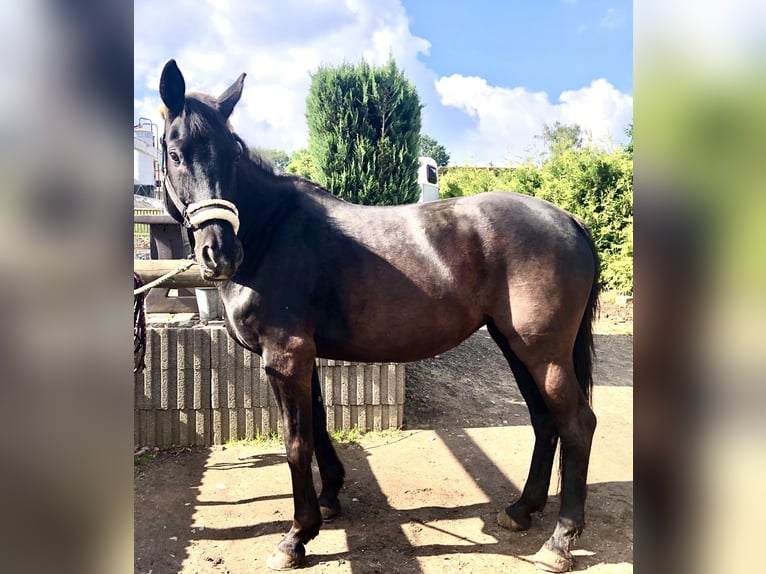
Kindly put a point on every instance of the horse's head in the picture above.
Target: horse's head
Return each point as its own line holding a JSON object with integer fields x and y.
{"x": 200, "y": 181}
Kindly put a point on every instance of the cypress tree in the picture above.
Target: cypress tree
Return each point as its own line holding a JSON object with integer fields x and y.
{"x": 364, "y": 126}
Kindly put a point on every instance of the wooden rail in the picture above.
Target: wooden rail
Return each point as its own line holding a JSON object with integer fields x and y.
{"x": 151, "y": 269}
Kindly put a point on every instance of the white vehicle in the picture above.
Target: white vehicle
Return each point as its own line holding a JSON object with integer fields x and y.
{"x": 428, "y": 180}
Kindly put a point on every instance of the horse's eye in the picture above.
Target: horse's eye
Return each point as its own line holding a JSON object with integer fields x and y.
{"x": 174, "y": 156}
{"x": 238, "y": 152}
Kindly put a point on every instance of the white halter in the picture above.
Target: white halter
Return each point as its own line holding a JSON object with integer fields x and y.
{"x": 207, "y": 209}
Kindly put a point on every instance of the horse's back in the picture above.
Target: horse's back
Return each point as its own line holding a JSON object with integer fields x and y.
{"x": 518, "y": 232}
{"x": 522, "y": 219}
{"x": 433, "y": 273}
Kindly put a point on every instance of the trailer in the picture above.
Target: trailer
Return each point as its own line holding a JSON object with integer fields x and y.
{"x": 428, "y": 179}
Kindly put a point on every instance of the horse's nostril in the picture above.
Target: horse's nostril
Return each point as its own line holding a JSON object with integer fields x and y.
{"x": 207, "y": 258}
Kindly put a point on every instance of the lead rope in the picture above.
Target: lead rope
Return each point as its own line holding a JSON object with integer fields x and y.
{"x": 180, "y": 269}
{"x": 139, "y": 312}
{"x": 139, "y": 326}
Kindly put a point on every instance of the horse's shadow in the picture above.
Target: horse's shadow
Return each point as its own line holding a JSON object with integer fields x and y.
{"x": 359, "y": 519}
{"x": 608, "y": 503}
{"x": 255, "y": 461}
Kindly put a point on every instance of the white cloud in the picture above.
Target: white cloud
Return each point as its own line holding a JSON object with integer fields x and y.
{"x": 508, "y": 119}
{"x": 278, "y": 44}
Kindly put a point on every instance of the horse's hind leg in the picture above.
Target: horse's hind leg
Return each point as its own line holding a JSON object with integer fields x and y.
{"x": 518, "y": 516}
{"x": 330, "y": 468}
{"x": 576, "y": 424}
{"x": 550, "y": 363}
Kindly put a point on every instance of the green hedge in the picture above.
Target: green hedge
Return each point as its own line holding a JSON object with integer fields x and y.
{"x": 593, "y": 184}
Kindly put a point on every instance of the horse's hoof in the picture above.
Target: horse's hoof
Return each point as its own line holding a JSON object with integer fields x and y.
{"x": 329, "y": 507}
{"x": 516, "y": 524}
{"x": 280, "y": 560}
{"x": 550, "y": 561}
{"x": 328, "y": 512}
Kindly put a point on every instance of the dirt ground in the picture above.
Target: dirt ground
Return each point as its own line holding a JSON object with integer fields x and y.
{"x": 422, "y": 500}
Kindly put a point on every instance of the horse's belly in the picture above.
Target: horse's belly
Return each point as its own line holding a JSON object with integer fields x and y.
{"x": 401, "y": 333}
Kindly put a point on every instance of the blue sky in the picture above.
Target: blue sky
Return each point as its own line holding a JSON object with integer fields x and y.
{"x": 544, "y": 45}
{"x": 489, "y": 73}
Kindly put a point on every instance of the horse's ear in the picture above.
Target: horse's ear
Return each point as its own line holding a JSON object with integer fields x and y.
{"x": 172, "y": 88}
{"x": 229, "y": 99}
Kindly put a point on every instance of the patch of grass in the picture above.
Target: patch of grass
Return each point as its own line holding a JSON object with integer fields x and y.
{"x": 143, "y": 456}
{"x": 357, "y": 437}
{"x": 350, "y": 436}
{"x": 270, "y": 439}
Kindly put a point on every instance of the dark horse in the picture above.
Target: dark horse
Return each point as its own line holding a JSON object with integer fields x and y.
{"x": 303, "y": 274}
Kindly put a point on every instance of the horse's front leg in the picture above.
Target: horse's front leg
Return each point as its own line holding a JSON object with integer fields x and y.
{"x": 289, "y": 367}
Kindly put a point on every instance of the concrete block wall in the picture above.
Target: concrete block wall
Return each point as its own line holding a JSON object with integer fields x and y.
{"x": 200, "y": 388}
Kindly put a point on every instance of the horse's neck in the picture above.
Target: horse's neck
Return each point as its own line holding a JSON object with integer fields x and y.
{"x": 258, "y": 201}
{"x": 265, "y": 199}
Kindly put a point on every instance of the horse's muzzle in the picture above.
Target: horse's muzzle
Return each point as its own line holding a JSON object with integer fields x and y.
{"x": 217, "y": 265}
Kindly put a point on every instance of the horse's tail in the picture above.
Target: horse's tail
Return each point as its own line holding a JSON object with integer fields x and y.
{"x": 584, "y": 351}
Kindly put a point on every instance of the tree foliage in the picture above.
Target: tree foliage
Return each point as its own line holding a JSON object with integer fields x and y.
{"x": 364, "y": 126}
{"x": 596, "y": 186}
{"x": 278, "y": 157}
{"x": 591, "y": 183}
{"x": 429, "y": 147}
{"x": 462, "y": 181}
{"x": 560, "y": 138}
{"x": 301, "y": 164}
{"x": 629, "y": 146}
